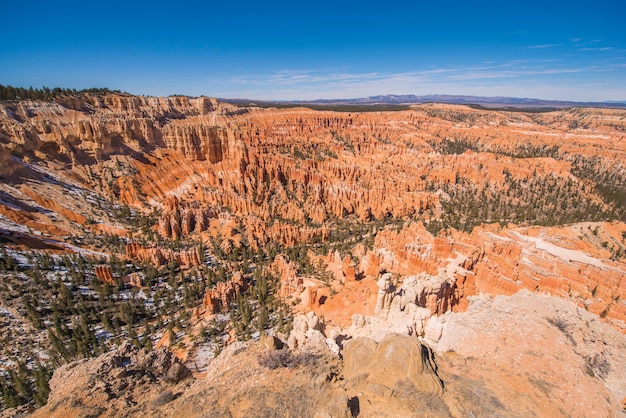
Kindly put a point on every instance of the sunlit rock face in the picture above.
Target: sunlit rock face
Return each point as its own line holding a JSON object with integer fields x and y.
{"x": 440, "y": 226}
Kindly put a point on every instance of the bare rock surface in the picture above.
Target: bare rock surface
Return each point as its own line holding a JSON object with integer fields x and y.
{"x": 539, "y": 354}
{"x": 492, "y": 360}
{"x": 291, "y": 176}
{"x": 399, "y": 373}
{"x": 114, "y": 384}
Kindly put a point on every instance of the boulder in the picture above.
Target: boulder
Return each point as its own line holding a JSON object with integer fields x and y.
{"x": 396, "y": 360}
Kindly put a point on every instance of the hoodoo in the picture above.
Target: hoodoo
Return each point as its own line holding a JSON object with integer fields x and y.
{"x": 440, "y": 260}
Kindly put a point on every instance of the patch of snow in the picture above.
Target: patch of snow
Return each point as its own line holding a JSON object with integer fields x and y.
{"x": 82, "y": 251}
{"x": 102, "y": 334}
{"x": 21, "y": 259}
{"x": 49, "y": 176}
{"x": 10, "y": 226}
{"x": 184, "y": 188}
{"x": 565, "y": 254}
{"x": 85, "y": 291}
{"x": 202, "y": 359}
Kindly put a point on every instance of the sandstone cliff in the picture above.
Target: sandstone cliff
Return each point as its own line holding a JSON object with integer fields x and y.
{"x": 378, "y": 222}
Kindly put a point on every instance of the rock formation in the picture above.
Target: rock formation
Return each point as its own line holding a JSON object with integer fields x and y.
{"x": 289, "y": 280}
{"x": 134, "y": 279}
{"x": 179, "y": 220}
{"x": 162, "y": 256}
{"x": 222, "y": 295}
{"x": 103, "y": 273}
{"x": 439, "y": 273}
{"x": 309, "y": 334}
{"x": 112, "y": 382}
{"x": 525, "y": 363}
{"x": 397, "y": 358}
{"x": 382, "y": 299}
{"x": 449, "y": 200}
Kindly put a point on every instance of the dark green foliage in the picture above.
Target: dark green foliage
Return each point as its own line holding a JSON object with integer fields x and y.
{"x": 46, "y": 93}
{"x": 608, "y": 182}
{"x": 77, "y": 316}
{"x": 301, "y": 155}
{"x": 344, "y": 141}
{"x": 23, "y": 385}
{"x": 513, "y": 109}
{"x": 321, "y": 107}
{"x": 547, "y": 201}
{"x": 454, "y": 146}
{"x": 530, "y": 151}
{"x": 7, "y": 263}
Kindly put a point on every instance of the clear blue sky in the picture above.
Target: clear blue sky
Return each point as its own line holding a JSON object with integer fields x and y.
{"x": 570, "y": 50}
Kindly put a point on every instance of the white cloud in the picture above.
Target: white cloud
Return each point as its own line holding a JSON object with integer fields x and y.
{"x": 543, "y": 46}
{"x": 605, "y": 48}
{"x": 519, "y": 78}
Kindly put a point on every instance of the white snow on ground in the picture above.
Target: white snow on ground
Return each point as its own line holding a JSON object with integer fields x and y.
{"x": 102, "y": 334}
{"x": 81, "y": 251}
{"x": 565, "y": 254}
{"x": 84, "y": 290}
{"x": 11, "y": 191}
{"x": 183, "y": 189}
{"x": 51, "y": 177}
{"x": 9, "y": 225}
{"x": 201, "y": 360}
{"x": 21, "y": 259}
{"x": 57, "y": 274}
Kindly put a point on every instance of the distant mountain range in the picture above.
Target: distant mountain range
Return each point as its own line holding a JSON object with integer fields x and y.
{"x": 490, "y": 102}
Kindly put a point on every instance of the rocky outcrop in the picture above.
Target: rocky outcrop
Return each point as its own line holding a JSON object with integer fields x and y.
{"x": 54, "y": 206}
{"x": 92, "y": 127}
{"x": 394, "y": 361}
{"x": 308, "y": 334}
{"x": 103, "y": 273}
{"x": 359, "y": 188}
{"x": 5, "y": 160}
{"x": 182, "y": 219}
{"x": 162, "y": 256}
{"x": 440, "y": 273}
{"x": 507, "y": 338}
{"x": 219, "y": 297}
{"x": 134, "y": 279}
{"x": 112, "y": 382}
{"x": 288, "y": 275}
{"x": 344, "y": 269}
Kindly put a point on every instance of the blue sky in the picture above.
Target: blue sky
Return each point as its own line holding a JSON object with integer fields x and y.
{"x": 569, "y": 50}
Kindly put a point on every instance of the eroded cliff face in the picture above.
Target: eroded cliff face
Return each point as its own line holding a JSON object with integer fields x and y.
{"x": 377, "y": 222}
{"x": 471, "y": 371}
{"x": 94, "y": 128}
{"x": 257, "y": 177}
{"x": 441, "y": 273}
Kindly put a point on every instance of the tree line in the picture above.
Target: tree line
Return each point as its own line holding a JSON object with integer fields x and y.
{"x": 47, "y": 93}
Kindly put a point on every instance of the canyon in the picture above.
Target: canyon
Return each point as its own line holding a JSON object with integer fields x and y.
{"x": 471, "y": 243}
